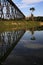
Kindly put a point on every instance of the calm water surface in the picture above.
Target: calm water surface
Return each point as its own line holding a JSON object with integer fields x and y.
{"x": 28, "y": 50}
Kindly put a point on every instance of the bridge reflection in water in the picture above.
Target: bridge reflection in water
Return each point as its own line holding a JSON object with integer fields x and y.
{"x": 8, "y": 41}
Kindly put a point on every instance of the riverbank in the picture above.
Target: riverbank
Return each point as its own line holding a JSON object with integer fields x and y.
{"x": 18, "y": 24}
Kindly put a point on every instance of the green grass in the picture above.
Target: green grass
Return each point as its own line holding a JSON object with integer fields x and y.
{"x": 17, "y": 24}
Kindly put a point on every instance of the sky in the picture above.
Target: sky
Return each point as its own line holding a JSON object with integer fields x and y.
{"x": 25, "y": 5}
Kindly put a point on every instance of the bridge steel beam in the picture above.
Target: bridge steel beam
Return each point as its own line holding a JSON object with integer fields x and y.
{"x": 8, "y": 10}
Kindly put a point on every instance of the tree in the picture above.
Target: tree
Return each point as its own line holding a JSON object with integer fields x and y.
{"x": 32, "y": 9}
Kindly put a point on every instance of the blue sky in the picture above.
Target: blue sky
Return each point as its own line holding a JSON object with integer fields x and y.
{"x": 25, "y": 5}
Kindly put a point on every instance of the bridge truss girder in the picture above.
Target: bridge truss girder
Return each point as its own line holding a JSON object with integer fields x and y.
{"x": 8, "y": 10}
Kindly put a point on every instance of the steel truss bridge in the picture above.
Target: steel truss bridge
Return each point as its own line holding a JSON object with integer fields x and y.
{"x": 8, "y": 10}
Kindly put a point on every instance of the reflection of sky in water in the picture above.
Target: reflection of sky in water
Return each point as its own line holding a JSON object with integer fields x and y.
{"x": 28, "y": 43}
{"x": 26, "y": 46}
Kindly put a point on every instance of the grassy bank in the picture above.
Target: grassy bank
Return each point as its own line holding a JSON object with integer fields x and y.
{"x": 20, "y": 24}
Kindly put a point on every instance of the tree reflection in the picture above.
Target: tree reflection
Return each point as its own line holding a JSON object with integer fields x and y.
{"x": 32, "y": 31}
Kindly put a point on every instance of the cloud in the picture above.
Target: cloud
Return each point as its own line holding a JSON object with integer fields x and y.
{"x": 25, "y": 6}
{"x": 31, "y": 1}
{"x": 26, "y": 3}
{"x": 22, "y": 5}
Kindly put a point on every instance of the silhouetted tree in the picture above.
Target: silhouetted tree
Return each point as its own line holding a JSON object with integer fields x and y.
{"x": 32, "y": 9}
